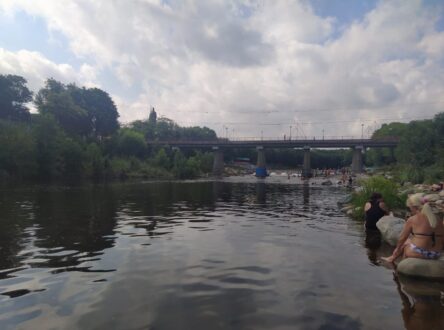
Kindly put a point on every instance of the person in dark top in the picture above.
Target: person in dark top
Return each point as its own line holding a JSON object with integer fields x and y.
{"x": 374, "y": 209}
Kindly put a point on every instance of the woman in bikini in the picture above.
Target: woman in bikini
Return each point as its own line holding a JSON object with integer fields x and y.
{"x": 425, "y": 232}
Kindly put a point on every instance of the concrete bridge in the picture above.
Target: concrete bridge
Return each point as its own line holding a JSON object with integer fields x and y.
{"x": 357, "y": 145}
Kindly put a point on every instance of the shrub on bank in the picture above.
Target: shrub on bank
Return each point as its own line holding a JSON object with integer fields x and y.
{"x": 388, "y": 189}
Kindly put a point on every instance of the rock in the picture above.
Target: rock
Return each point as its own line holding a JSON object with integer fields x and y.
{"x": 431, "y": 197}
{"x": 430, "y": 269}
{"x": 390, "y": 228}
{"x": 441, "y": 193}
{"x": 345, "y": 200}
{"x": 350, "y": 212}
{"x": 346, "y": 208}
{"x": 327, "y": 183}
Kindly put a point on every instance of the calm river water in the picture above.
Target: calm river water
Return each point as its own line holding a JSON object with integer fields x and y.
{"x": 233, "y": 254}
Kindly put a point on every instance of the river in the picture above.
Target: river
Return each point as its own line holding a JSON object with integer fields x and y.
{"x": 241, "y": 253}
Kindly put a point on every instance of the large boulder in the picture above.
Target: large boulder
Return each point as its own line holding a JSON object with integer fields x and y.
{"x": 390, "y": 228}
{"x": 424, "y": 268}
{"x": 432, "y": 198}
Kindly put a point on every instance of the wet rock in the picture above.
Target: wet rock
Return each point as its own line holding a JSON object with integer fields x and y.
{"x": 390, "y": 228}
{"x": 346, "y": 208}
{"x": 428, "y": 269}
{"x": 327, "y": 183}
{"x": 345, "y": 200}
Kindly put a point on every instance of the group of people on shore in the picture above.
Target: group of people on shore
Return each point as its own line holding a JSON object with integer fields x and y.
{"x": 423, "y": 232}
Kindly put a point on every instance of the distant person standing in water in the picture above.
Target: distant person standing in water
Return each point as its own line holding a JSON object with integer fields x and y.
{"x": 374, "y": 209}
{"x": 350, "y": 181}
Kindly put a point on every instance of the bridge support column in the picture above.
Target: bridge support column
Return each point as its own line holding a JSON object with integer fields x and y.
{"x": 306, "y": 169}
{"x": 357, "y": 164}
{"x": 218, "y": 161}
{"x": 392, "y": 155}
{"x": 261, "y": 170}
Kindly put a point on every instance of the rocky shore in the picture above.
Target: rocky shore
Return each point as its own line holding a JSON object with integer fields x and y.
{"x": 433, "y": 194}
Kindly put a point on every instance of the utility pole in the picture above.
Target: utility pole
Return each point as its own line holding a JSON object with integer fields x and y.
{"x": 362, "y": 131}
{"x": 322, "y": 134}
{"x": 290, "y": 133}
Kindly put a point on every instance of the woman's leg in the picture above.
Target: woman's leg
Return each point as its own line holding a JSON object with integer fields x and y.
{"x": 398, "y": 252}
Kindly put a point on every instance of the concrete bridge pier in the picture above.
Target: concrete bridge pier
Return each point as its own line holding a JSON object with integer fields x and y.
{"x": 392, "y": 155}
{"x": 218, "y": 161}
{"x": 261, "y": 170}
{"x": 306, "y": 169}
{"x": 357, "y": 164}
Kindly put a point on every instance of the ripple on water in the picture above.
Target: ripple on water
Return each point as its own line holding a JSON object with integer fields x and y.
{"x": 225, "y": 255}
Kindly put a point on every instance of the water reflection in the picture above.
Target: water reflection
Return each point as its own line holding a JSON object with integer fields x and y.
{"x": 373, "y": 242}
{"x": 422, "y": 303}
{"x": 305, "y": 195}
{"x": 200, "y": 255}
{"x": 260, "y": 193}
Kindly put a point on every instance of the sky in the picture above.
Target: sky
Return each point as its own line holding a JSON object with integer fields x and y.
{"x": 245, "y": 68}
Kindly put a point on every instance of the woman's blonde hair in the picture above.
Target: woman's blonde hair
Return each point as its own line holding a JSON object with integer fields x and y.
{"x": 418, "y": 201}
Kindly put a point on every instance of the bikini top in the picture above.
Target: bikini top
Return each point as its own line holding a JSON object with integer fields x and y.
{"x": 432, "y": 235}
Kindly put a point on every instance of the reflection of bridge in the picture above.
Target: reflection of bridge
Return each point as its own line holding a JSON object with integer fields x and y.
{"x": 358, "y": 146}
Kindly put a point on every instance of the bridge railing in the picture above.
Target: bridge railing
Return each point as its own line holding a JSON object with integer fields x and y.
{"x": 292, "y": 138}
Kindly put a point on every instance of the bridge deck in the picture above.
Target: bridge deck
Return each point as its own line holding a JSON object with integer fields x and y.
{"x": 224, "y": 143}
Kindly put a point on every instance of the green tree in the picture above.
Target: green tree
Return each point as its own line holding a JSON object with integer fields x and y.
{"x": 417, "y": 147}
{"x": 94, "y": 162}
{"x": 13, "y": 96}
{"x": 161, "y": 159}
{"x": 131, "y": 143}
{"x": 18, "y": 150}
{"x": 48, "y": 136}
{"x": 56, "y": 100}
{"x": 101, "y": 110}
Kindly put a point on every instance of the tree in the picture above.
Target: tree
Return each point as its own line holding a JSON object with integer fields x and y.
{"x": 161, "y": 159}
{"x": 56, "y": 100}
{"x": 101, "y": 110}
{"x": 13, "y": 96}
{"x": 18, "y": 150}
{"x": 78, "y": 110}
{"x": 48, "y": 135}
{"x": 131, "y": 143}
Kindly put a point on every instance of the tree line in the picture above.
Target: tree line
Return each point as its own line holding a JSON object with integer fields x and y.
{"x": 75, "y": 134}
{"x": 419, "y": 155}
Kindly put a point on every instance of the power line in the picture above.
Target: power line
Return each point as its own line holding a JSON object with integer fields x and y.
{"x": 316, "y": 123}
{"x": 317, "y": 109}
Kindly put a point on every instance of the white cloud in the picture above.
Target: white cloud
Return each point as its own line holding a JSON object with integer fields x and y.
{"x": 223, "y": 62}
{"x": 36, "y": 68}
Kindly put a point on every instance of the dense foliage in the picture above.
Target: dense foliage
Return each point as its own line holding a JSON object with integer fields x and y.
{"x": 75, "y": 135}
{"x": 388, "y": 189}
{"x": 14, "y": 96}
{"x": 419, "y": 156}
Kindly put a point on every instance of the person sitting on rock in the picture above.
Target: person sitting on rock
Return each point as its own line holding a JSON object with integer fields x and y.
{"x": 426, "y": 232}
{"x": 374, "y": 209}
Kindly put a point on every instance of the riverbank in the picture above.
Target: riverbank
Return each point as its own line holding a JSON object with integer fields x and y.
{"x": 394, "y": 196}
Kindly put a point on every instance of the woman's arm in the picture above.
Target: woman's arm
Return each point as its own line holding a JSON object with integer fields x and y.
{"x": 383, "y": 207}
{"x": 401, "y": 241}
{"x": 367, "y": 206}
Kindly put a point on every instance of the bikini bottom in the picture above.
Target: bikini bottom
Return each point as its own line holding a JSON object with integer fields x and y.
{"x": 426, "y": 254}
